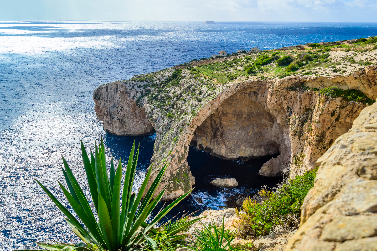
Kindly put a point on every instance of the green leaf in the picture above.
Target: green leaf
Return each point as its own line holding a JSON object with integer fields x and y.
{"x": 115, "y": 213}
{"x": 167, "y": 209}
{"x": 91, "y": 177}
{"x": 111, "y": 177}
{"x": 77, "y": 192}
{"x": 130, "y": 205}
{"x": 127, "y": 188}
{"x": 78, "y": 232}
{"x": 73, "y": 220}
{"x": 105, "y": 174}
{"x": 151, "y": 242}
{"x": 153, "y": 187}
{"x": 106, "y": 224}
{"x": 177, "y": 227}
{"x": 88, "y": 222}
{"x": 102, "y": 185}
{"x": 54, "y": 247}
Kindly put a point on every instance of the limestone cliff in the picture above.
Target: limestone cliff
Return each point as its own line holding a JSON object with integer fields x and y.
{"x": 119, "y": 112}
{"x": 340, "y": 211}
{"x": 244, "y": 106}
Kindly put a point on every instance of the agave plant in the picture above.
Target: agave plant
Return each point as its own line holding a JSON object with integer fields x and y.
{"x": 171, "y": 234}
{"x": 213, "y": 238}
{"x": 122, "y": 222}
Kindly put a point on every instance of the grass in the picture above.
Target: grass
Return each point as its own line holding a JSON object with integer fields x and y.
{"x": 269, "y": 64}
{"x": 170, "y": 236}
{"x": 213, "y": 238}
{"x": 278, "y": 208}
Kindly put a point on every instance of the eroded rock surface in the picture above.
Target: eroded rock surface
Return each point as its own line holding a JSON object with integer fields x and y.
{"x": 240, "y": 128}
{"x": 340, "y": 211}
{"x": 247, "y": 117}
{"x": 115, "y": 106}
{"x": 227, "y": 182}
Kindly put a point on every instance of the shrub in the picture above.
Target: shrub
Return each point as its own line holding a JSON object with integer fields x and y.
{"x": 349, "y": 95}
{"x": 284, "y": 61}
{"x": 361, "y": 40}
{"x": 314, "y": 45}
{"x": 292, "y": 67}
{"x": 251, "y": 70}
{"x": 122, "y": 222}
{"x": 263, "y": 60}
{"x": 259, "y": 218}
{"x": 371, "y": 40}
{"x": 307, "y": 57}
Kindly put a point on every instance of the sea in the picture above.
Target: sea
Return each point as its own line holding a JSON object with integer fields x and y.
{"x": 48, "y": 71}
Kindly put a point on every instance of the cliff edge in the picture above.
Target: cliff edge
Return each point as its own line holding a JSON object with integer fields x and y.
{"x": 292, "y": 102}
{"x": 340, "y": 211}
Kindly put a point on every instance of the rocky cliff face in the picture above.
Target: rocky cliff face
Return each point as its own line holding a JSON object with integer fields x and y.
{"x": 340, "y": 211}
{"x": 115, "y": 106}
{"x": 247, "y": 117}
{"x": 240, "y": 128}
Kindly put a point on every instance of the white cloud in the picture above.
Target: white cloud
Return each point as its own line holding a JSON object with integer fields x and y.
{"x": 362, "y": 4}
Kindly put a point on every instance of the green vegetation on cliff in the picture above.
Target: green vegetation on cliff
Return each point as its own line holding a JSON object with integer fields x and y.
{"x": 299, "y": 60}
{"x": 281, "y": 207}
{"x": 174, "y": 96}
{"x": 200, "y": 78}
{"x": 350, "y": 95}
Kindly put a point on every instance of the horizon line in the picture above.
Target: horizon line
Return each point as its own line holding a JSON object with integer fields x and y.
{"x": 82, "y": 20}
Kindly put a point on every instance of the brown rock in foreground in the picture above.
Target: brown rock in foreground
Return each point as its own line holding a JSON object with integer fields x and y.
{"x": 340, "y": 212}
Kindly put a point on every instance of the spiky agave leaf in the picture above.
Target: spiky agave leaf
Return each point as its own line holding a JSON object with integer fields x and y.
{"x": 116, "y": 229}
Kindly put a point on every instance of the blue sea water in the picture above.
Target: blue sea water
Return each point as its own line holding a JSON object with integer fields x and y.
{"x": 48, "y": 71}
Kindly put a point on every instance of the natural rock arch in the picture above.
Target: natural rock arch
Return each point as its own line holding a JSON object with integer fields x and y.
{"x": 240, "y": 128}
{"x": 302, "y": 123}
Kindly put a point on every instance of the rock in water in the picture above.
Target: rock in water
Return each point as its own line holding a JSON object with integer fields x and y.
{"x": 227, "y": 183}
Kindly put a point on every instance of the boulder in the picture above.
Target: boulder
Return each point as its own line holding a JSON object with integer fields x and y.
{"x": 227, "y": 182}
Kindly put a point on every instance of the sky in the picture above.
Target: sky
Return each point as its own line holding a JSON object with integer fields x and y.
{"x": 191, "y": 10}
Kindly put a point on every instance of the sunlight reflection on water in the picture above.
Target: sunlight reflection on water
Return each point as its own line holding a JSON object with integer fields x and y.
{"x": 48, "y": 71}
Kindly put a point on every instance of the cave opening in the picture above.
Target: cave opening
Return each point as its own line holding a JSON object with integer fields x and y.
{"x": 235, "y": 141}
{"x": 206, "y": 167}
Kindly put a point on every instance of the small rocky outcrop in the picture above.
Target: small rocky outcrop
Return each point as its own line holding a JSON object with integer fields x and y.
{"x": 340, "y": 211}
{"x": 227, "y": 182}
{"x": 115, "y": 106}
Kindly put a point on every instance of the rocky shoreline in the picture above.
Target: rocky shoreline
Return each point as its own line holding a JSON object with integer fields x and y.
{"x": 340, "y": 212}
{"x": 319, "y": 115}
{"x": 250, "y": 116}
